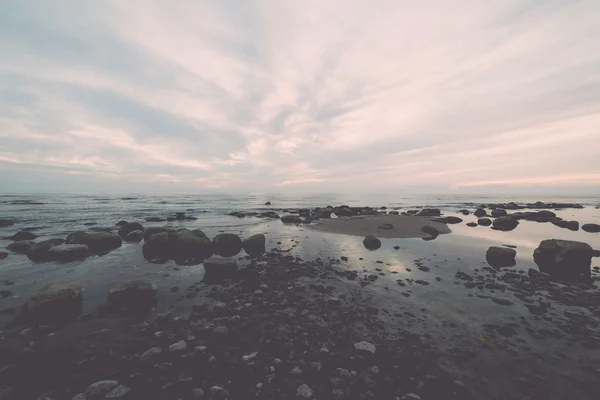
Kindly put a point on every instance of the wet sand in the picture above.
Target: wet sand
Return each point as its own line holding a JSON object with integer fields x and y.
{"x": 402, "y": 226}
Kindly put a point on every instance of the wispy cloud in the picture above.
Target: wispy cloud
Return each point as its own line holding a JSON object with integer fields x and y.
{"x": 337, "y": 95}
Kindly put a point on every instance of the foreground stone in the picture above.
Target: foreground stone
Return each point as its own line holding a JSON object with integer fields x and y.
{"x": 431, "y": 231}
{"x": 564, "y": 259}
{"x": 53, "y": 303}
{"x": 67, "y": 252}
{"x": 570, "y": 225}
{"x": 98, "y": 242}
{"x": 371, "y": 243}
{"x": 500, "y": 256}
{"x": 227, "y": 244}
{"x": 101, "y": 388}
{"x": 505, "y": 224}
{"x": 591, "y": 228}
{"x": 189, "y": 247}
{"x": 133, "y": 294}
{"x": 291, "y": 219}
{"x": 255, "y": 244}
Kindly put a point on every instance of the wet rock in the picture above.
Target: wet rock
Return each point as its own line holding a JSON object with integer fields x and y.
{"x": 453, "y": 220}
{"x": 268, "y": 203}
{"x": 499, "y": 212}
{"x": 154, "y": 230}
{"x": 255, "y": 244}
{"x": 39, "y": 251}
{"x": 503, "y": 302}
{"x": 158, "y": 247}
{"x": 150, "y": 354}
{"x": 3, "y": 255}
{"x": 430, "y": 230}
{"x": 365, "y": 347}
{"x": 98, "y": 242}
{"x": 53, "y": 303}
{"x": 464, "y": 212}
{"x": 67, "y": 252}
{"x": 344, "y": 211}
{"x": 220, "y": 266}
{"x": 188, "y": 247}
{"x": 570, "y": 225}
{"x": 564, "y": 259}
{"x": 23, "y": 235}
{"x": 101, "y": 388}
{"x": 129, "y": 227}
{"x": 429, "y": 212}
{"x": 291, "y": 219}
{"x": 505, "y": 224}
{"x": 591, "y": 228}
{"x": 371, "y": 243}
{"x": 484, "y": 221}
{"x": 21, "y": 247}
{"x": 154, "y": 219}
{"x": 480, "y": 212}
{"x": 4, "y": 222}
{"x": 227, "y": 244}
{"x": 134, "y": 236}
{"x": 121, "y": 223}
{"x": 304, "y": 391}
{"x": 500, "y": 256}
{"x": 133, "y": 295}
{"x": 472, "y": 224}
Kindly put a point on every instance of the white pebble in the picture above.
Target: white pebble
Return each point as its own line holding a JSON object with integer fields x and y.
{"x": 304, "y": 391}
{"x": 365, "y": 346}
{"x": 250, "y": 356}
{"x": 178, "y": 347}
{"x": 118, "y": 392}
{"x": 101, "y": 387}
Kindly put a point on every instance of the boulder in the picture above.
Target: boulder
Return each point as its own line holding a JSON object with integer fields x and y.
{"x": 53, "y": 303}
{"x": 472, "y": 224}
{"x": 97, "y": 242}
{"x": 484, "y": 221}
{"x": 500, "y": 256}
{"x": 227, "y": 244}
{"x": 464, "y": 212}
{"x": 39, "y": 251}
{"x": 430, "y": 212}
{"x": 431, "y": 231}
{"x": 255, "y": 244}
{"x": 121, "y": 223}
{"x": 564, "y": 259}
{"x": 291, "y": 219}
{"x": 268, "y": 203}
{"x": 591, "y": 228}
{"x": 480, "y": 212}
{"x": 371, "y": 243}
{"x": 130, "y": 227}
{"x": 23, "y": 235}
{"x": 343, "y": 211}
{"x": 21, "y": 247}
{"x": 4, "y": 222}
{"x": 158, "y": 247}
{"x": 133, "y": 294}
{"x": 134, "y": 236}
{"x": 453, "y": 220}
{"x": 219, "y": 267}
{"x": 154, "y": 229}
{"x": 190, "y": 247}
{"x": 570, "y": 225}
{"x": 67, "y": 252}
{"x": 505, "y": 224}
{"x": 393, "y": 212}
{"x": 499, "y": 212}
{"x": 546, "y": 214}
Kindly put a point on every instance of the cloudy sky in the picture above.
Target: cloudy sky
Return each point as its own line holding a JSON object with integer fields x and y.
{"x": 287, "y": 95}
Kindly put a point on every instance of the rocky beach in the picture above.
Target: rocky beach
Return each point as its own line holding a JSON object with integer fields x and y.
{"x": 284, "y": 298}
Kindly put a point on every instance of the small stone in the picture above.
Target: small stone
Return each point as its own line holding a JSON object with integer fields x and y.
{"x": 101, "y": 388}
{"x": 250, "y": 357}
{"x": 324, "y": 350}
{"x": 296, "y": 371}
{"x": 178, "y": 347}
{"x": 80, "y": 396}
{"x": 411, "y": 396}
{"x": 118, "y": 392}
{"x": 235, "y": 320}
{"x": 264, "y": 286}
{"x": 216, "y": 390}
{"x": 150, "y": 353}
{"x": 304, "y": 391}
{"x": 338, "y": 393}
{"x": 196, "y": 394}
{"x": 365, "y": 346}
{"x": 374, "y": 370}
{"x": 343, "y": 372}
{"x": 221, "y": 331}
{"x": 258, "y": 292}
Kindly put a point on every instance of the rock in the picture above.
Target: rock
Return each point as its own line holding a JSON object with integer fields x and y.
{"x": 453, "y": 220}
{"x": 53, "y": 303}
{"x": 67, "y": 252}
{"x": 188, "y": 247}
{"x": 227, "y": 244}
{"x": 371, "y": 243}
{"x": 291, "y": 219}
{"x": 130, "y": 227}
{"x": 154, "y": 219}
{"x": 564, "y": 259}
{"x": 433, "y": 232}
{"x": 153, "y": 230}
{"x": 472, "y": 224}
{"x": 121, "y": 223}
{"x": 220, "y": 266}
{"x": 4, "y": 222}
{"x": 304, "y": 391}
{"x": 178, "y": 347}
{"x": 23, "y": 235}
{"x": 196, "y": 394}
{"x": 134, "y": 236}
{"x": 151, "y": 353}
{"x": 98, "y": 242}
{"x": 118, "y": 393}
{"x": 591, "y": 228}
{"x": 255, "y": 244}
{"x": 21, "y": 247}
{"x": 570, "y": 225}
{"x": 39, "y": 251}
{"x": 80, "y": 396}
{"x": 133, "y": 294}
{"x": 503, "y": 302}
{"x": 500, "y": 256}
{"x": 484, "y": 221}
{"x": 365, "y": 347}
{"x": 546, "y": 214}
{"x": 268, "y": 203}
{"x": 221, "y": 331}
{"x": 411, "y": 396}
{"x": 464, "y": 212}
{"x": 499, "y": 212}
{"x": 480, "y": 212}
{"x": 158, "y": 247}
{"x": 505, "y": 224}
{"x": 101, "y": 388}
{"x": 430, "y": 212}
{"x": 3, "y": 255}
{"x": 344, "y": 211}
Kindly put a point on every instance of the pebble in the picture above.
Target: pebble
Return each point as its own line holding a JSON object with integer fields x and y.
{"x": 221, "y": 331}
{"x": 178, "y": 347}
{"x": 365, "y": 346}
{"x": 264, "y": 286}
{"x": 118, "y": 392}
{"x": 196, "y": 394}
{"x": 258, "y": 292}
{"x": 235, "y": 320}
{"x": 296, "y": 371}
{"x": 150, "y": 353}
{"x": 304, "y": 391}
{"x": 411, "y": 396}
{"x": 250, "y": 357}
{"x": 374, "y": 370}
{"x": 338, "y": 393}
{"x": 200, "y": 349}
{"x": 80, "y": 396}
{"x": 101, "y": 388}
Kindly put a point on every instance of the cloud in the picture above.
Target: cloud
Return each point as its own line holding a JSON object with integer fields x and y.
{"x": 273, "y": 95}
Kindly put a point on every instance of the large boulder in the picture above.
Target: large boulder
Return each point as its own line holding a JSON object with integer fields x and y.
{"x": 499, "y": 212}
{"x": 130, "y": 227}
{"x": 505, "y": 224}
{"x": 564, "y": 259}
{"x": 291, "y": 219}
{"x": 591, "y": 228}
{"x": 255, "y": 244}
{"x": 21, "y": 247}
{"x": 371, "y": 243}
{"x": 217, "y": 268}
{"x": 134, "y": 236}
{"x": 67, "y": 252}
{"x": 227, "y": 244}
{"x": 190, "y": 247}
{"x": 501, "y": 256}
{"x": 53, "y": 303}
{"x": 133, "y": 295}
{"x": 431, "y": 231}
{"x": 480, "y": 212}
{"x": 97, "y": 242}
{"x": 484, "y": 221}
{"x": 23, "y": 235}
{"x": 158, "y": 248}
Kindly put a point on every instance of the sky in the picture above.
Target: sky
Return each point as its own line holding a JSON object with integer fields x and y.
{"x": 300, "y": 96}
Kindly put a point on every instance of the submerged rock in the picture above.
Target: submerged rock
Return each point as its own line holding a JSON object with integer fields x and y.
{"x": 472, "y": 224}
{"x": 255, "y": 244}
{"x": 500, "y": 256}
{"x": 3, "y": 255}
{"x": 452, "y": 220}
{"x": 53, "y": 303}
{"x": 371, "y": 243}
{"x": 130, "y": 227}
{"x": 133, "y": 294}
{"x": 23, "y": 235}
{"x": 39, "y": 251}
{"x": 227, "y": 244}
{"x": 564, "y": 259}
{"x": 4, "y": 222}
